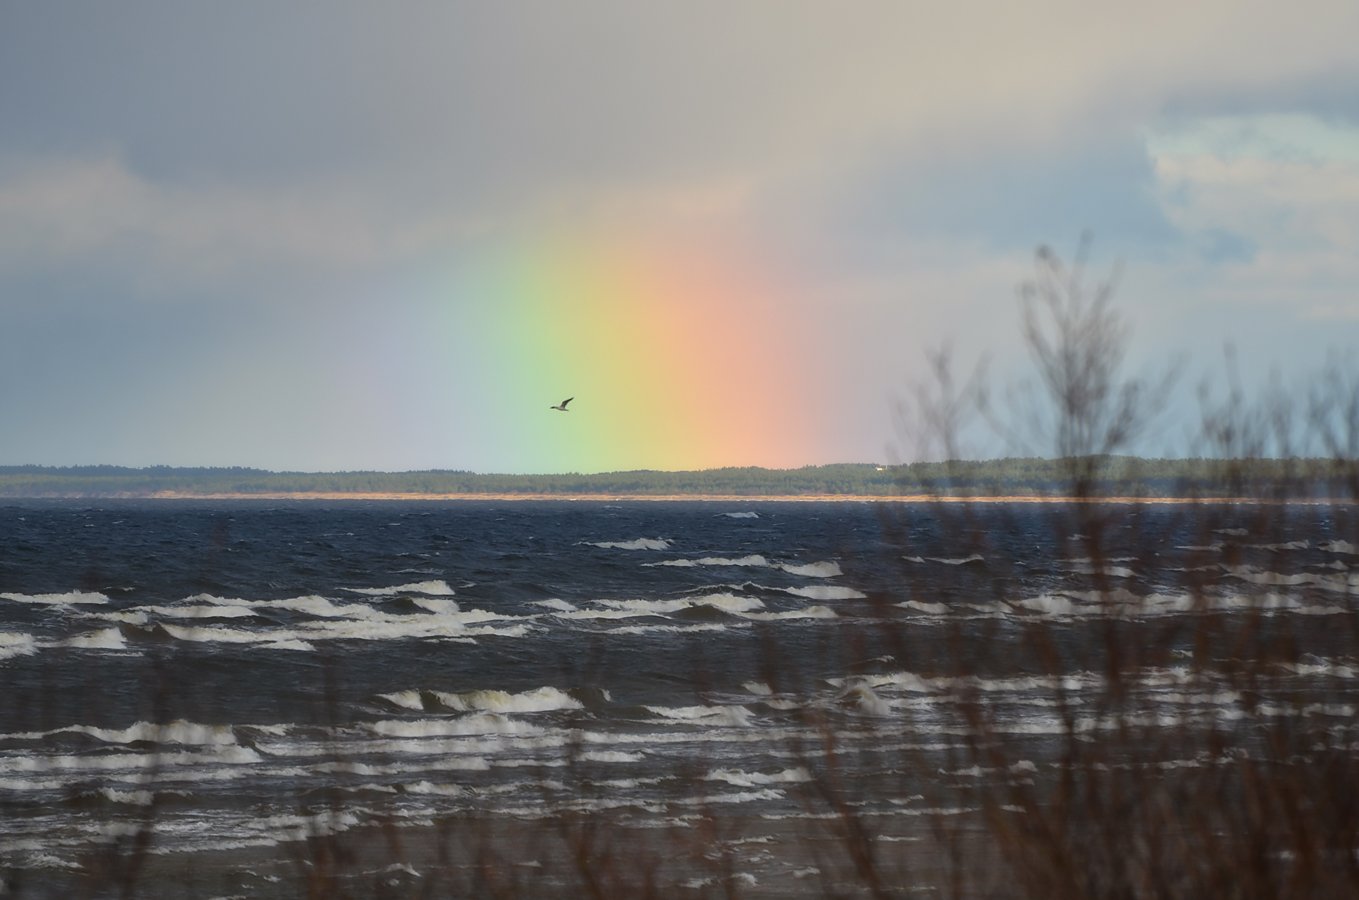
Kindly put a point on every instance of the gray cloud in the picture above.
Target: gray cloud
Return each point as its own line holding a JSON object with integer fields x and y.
{"x": 257, "y": 161}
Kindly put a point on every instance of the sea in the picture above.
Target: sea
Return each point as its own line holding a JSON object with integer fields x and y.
{"x": 201, "y": 697}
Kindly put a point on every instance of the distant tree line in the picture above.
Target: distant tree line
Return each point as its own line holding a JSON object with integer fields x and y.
{"x": 1107, "y": 476}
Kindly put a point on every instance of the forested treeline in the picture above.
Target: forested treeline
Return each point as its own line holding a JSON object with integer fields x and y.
{"x": 1099, "y": 476}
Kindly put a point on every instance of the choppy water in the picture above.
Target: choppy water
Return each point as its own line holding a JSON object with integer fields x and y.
{"x": 261, "y": 672}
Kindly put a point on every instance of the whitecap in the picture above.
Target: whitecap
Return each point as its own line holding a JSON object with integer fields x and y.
{"x": 707, "y": 715}
{"x": 411, "y": 700}
{"x": 933, "y": 609}
{"x": 1049, "y": 604}
{"x": 826, "y": 592}
{"x": 16, "y": 643}
{"x": 827, "y": 569}
{"x": 754, "y": 560}
{"x": 638, "y": 544}
{"x": 543, "y": 699}
{"x": 674, "y": 629}
{"x": 1286, "y": 545}
{"x": 477, "y": 723}
{"x": 438, "y": 790}
{"x": 740, "y": 515}
{"x": 957, "y": 561}
{"x": 738, "y": 778}
{"x": 131, "y": 798}
{"x": 105, "y": 762}
{"x": 624, "y": 609}
{"x": 611, "y": 756}
{"x": 431, "y": 588}
{"x": 70, "y": 598}
{"x": 179, "y": 731}
{"x": 301, "y": 646}
{"x": 555, "y": 604}
{"x": 314, "y": 605}
{"x": 104, "y": 639}
{"x": 860, "y": 697}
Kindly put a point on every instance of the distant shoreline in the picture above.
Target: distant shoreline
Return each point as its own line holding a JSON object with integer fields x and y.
{"x": 1125, "y": 480}
{"x": 1053, "y": 499}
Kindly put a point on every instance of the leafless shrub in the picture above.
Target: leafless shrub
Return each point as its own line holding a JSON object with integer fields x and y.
{"x": 1252, "y": 800}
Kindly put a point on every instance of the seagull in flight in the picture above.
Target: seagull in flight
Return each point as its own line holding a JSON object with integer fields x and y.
{"x": 562, "y": 406}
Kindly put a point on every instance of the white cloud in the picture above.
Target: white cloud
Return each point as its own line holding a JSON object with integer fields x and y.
{"x": 1288, "y": 187}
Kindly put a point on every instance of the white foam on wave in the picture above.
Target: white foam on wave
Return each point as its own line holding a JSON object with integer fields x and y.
{"x": 1344, "y": 583}
{"x": 740, "y": 515}
{"x": 429, "y": 588}
{"x": 543, "y": 699}
{"x": 1318, "y": 666}
{"x": 291, "y": 644}
{"x": 826, "y": 592}
{"x": 412, "y": 700}
{"x": 902, "y": 681}
{"x": 611, "y": 756}
{"x": 138, "y": 762}
{"x": 70, "y": 598}
{"x": 16, "y": 643}
{"x": 1286, "y": 545}
{"x": 1089, "y": 567}
{"x": 1340, "y": 547}
{"x": 1050, "y": 604}
{"x": 704, "y": 715}
{"x": 555, "y": 604}
{"x": 638, "y": 544}
{"x": 822, "y": 569}
{"x": 104, "y": 639}
{"x": 738, "y": 778}
{"x": 130, "y": 798}
{"x": 735, "y": 604}
{"x": 429, "y": 788}
{"x": 676, "y": 629}
{"x": 947, "y": 560}
{"x": 1125, "y": 603}
{"x": 314, "y": 605}
{"x": 474, "y": 724}
{"x": 235, "y": 607}
{"x": 753, "y": 560}
{"x": 355, "y": 622}
{"x": 933, "y": 609}
{"x": 859, "y": 697}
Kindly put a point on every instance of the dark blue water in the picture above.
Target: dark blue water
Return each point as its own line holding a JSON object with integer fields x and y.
{"x": 232, "y": 663}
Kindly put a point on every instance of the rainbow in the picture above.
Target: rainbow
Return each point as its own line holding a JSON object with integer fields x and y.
{"x": 679, "y": 357}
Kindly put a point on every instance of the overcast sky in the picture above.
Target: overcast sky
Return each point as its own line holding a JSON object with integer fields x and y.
{"x": 281, "y": 234}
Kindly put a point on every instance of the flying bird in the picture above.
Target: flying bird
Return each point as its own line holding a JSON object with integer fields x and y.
{"x": 562, "y": 406}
